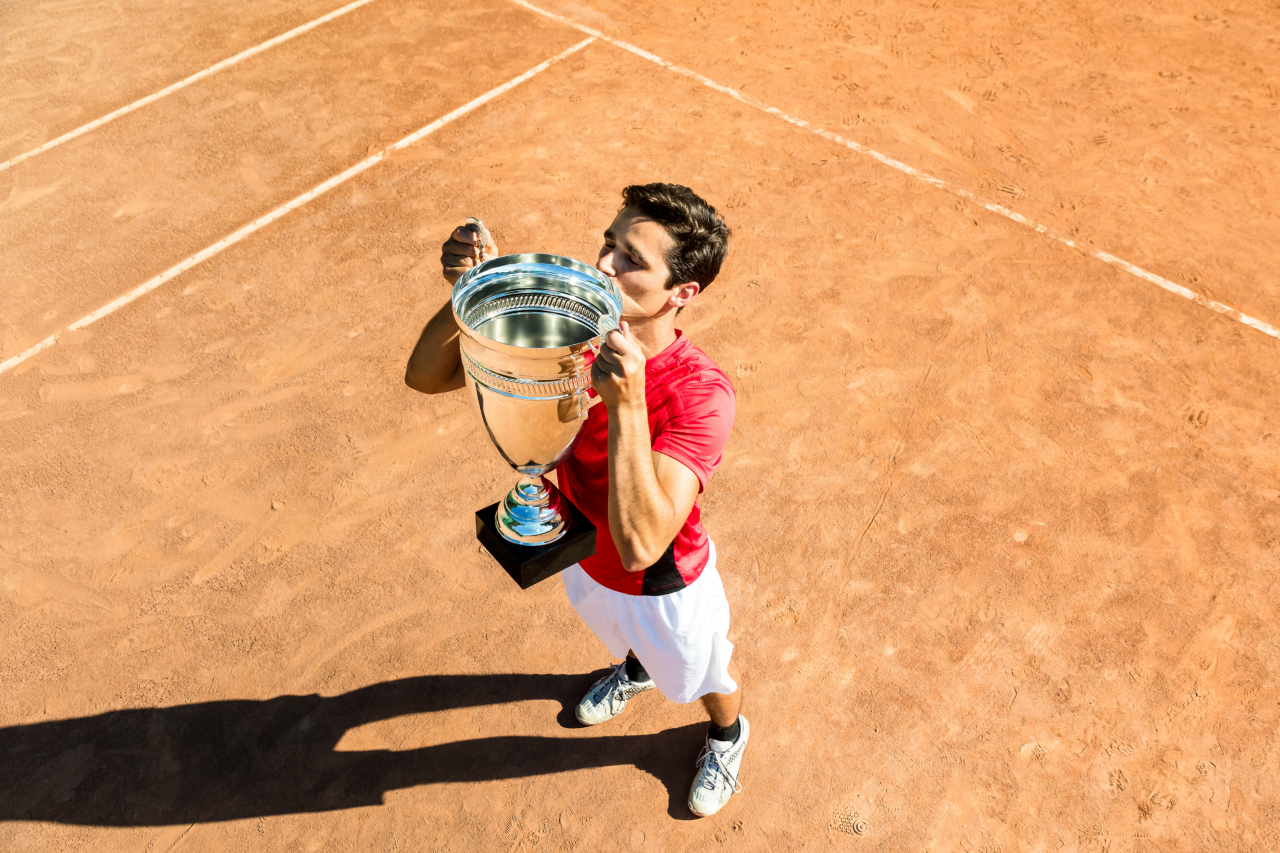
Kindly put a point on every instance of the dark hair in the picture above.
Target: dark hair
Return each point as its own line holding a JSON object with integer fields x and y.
{"x": 700, "y": 235}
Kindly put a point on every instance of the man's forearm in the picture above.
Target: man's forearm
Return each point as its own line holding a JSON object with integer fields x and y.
{"x": 435, "y": 364}
{"x": 640, "y": 512}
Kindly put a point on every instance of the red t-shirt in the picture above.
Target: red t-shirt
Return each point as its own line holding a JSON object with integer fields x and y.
{"x": 691, "y": 405}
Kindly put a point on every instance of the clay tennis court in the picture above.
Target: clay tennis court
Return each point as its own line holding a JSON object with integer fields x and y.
{"x": 999, "y": 521}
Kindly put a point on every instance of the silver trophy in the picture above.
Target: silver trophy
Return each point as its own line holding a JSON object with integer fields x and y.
{"x": 531, "y": 326}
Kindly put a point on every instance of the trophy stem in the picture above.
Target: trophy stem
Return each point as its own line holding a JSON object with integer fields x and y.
{"x": 531, "y": 514}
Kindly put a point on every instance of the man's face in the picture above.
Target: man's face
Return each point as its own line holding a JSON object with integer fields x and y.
{"x": 634, "y": 255}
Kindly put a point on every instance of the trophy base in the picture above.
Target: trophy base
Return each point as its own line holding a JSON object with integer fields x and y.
{"x": 529, "y": 564}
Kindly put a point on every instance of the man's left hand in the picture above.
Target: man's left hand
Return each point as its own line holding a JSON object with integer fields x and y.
{"x": 618, "y": 372}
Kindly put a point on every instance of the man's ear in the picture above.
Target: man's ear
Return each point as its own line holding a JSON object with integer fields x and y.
{"x": 683, "y": 295}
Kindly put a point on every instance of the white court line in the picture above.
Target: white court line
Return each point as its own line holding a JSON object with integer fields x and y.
{"x": 263, "y": 221}
{"x": 182, "y": 84}
{"x": 1198, "y": 298}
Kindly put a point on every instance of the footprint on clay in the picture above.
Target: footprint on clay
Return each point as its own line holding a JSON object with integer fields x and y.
{"x": 848, "y": 821}
{"x": 1195, "y": 416}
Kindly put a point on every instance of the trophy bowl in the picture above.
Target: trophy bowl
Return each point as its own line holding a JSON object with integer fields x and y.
{"x": 530, "y": 326}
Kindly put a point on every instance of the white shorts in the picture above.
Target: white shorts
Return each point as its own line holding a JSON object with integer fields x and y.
{"x": 680, "y": 638}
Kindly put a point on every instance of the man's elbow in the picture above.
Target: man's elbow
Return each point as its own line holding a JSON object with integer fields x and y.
{"x": 637, "y": 559}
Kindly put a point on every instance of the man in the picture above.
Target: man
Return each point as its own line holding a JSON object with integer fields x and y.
{"x": 651, "y": 592}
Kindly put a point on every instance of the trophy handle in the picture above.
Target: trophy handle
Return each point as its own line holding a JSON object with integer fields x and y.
{"x": 604, "y": 326}
{"x": 586, "y": 401}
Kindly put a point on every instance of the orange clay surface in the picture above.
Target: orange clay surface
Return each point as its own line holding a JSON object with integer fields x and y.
{"x": 999, "y": 523}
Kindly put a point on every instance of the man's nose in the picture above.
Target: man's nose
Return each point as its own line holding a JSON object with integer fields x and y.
{"x": 605, "y": 265}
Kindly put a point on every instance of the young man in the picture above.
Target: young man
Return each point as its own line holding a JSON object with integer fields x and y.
{"x": 651, "y": 592}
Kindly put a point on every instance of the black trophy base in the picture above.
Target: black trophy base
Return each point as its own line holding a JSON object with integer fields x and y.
{"x": 528, "y": 564}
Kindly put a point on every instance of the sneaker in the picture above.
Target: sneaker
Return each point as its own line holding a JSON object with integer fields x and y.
{"x": 717, "y": 778}
{"x": 608, "y": 697}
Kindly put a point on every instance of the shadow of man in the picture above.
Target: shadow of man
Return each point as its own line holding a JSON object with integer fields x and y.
{"x": 226, "y": 760}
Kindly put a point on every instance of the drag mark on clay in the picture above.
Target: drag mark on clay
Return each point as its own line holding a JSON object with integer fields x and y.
{"x": 326, "y": 648}
{"x": 185, "y": 82}
{"x": 939, "y": 183}
{"x": 893, "y": 468}
{"x": 228, "y": 555}
{"x": 265, "y": 220}
{"x": 879, "y": 505}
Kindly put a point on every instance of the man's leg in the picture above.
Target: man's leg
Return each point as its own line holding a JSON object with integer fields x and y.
{"x": 608, "y": 696}
{"x": 720, "y": 760}
{"x": 723, "y": 708}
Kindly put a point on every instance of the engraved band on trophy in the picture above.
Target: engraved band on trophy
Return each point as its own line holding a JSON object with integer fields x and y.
{"x": 530, "y": 326}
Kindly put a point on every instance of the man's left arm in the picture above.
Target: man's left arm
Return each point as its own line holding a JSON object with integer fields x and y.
{"x": 650, "y": 494}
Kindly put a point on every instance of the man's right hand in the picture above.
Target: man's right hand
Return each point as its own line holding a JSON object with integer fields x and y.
{"x": 461, "y": 252}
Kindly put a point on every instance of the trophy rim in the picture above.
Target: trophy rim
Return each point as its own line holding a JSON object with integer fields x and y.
{"x": 474, "y": 276}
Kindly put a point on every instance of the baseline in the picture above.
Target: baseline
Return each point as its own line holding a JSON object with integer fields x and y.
{"x": 266, "y": 219}
{"x": 954, "y": 189}
{"x": 187, "y": 81}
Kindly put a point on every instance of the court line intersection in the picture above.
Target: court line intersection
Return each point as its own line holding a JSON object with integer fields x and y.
{"x": 939, "y": 183}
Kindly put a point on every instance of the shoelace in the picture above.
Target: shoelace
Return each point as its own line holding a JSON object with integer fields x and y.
{"x": 711, "y": 758}
{"x": 613, "y": 687}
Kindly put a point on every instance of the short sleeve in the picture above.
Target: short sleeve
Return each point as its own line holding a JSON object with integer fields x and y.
{"x": 696, "y": 433}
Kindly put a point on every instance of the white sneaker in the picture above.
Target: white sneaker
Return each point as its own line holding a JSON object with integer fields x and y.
{"x": 608, "y": 697}
{"x": 717, "y": 778}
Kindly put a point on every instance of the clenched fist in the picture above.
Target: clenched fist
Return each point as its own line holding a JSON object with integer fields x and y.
{"x": 462, "y": 251}
{"x": 618, "y": 372}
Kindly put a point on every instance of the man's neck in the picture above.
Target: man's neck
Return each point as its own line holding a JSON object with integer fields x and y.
{"x": 653, "y": 334}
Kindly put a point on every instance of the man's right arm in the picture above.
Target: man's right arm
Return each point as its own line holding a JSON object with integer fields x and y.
{"x": 435, "y": 366}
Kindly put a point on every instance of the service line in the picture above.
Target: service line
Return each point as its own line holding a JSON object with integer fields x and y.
{"x": 954, "y": 189}
{"x": 267, "y": 219}
{"x": 182, "y": 84}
